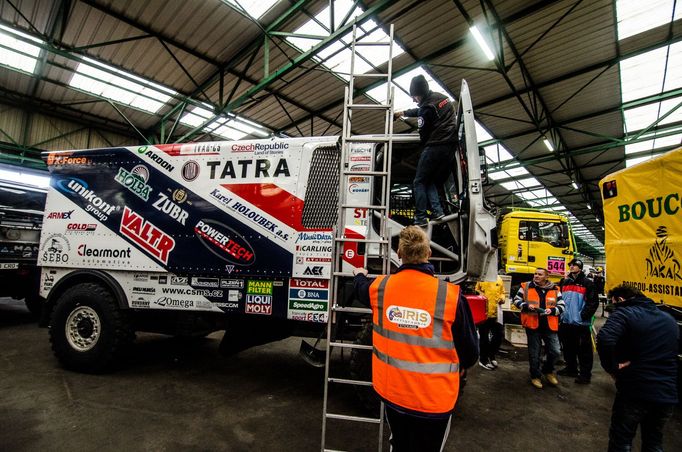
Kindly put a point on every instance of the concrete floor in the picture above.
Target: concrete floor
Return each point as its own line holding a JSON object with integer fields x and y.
{"x": 176, "y": 395}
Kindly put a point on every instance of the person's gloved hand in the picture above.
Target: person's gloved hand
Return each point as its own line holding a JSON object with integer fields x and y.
{"x": 397, "y": 115}
{"x": 360, "y": 271}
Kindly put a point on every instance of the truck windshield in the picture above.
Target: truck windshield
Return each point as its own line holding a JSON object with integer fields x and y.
{"x": 556, "y": 234}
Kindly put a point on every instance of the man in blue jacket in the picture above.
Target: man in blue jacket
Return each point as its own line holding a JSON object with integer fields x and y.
{"x": 575, "y": 331}
{"x": 638, "y": 346}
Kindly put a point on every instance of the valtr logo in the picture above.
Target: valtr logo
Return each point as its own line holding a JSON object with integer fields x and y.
{"x": 146, "y": 235}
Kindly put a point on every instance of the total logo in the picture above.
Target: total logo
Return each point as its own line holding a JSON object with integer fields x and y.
{"x": 405, "y": 317}
{"x": 146, "y": 235}
{"x": 135, "y": 181}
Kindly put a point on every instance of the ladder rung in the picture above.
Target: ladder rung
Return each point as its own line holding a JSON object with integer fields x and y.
{"x": 354, "y": 240}
{"x": 365, "y": 173}
{"x": 362, "y": 206}
{"x": 371, "y": 75}
{"x": 345, "y": 417}
{"x": 354, "y": 310}
{"x": 368, "y": 139}
{"x": 346, "y": 345}
{"x": 372, "y": 43}
{"x": 345, "y": 381}
{"x": 369, "y": 106}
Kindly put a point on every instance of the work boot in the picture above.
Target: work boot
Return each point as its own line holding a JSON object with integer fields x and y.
{"x": 536, "y": 382}
{"x": 566, "y": 372}
{"x": 551, "y": 378}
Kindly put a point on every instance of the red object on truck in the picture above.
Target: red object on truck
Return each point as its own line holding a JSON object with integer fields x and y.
{"x": 479, "y": 307}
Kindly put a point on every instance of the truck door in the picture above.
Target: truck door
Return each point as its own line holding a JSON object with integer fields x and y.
{"x": 546, "y": 242}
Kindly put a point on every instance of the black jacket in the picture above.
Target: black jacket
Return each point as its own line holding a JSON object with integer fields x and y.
{"x": 436, "y": 119}
{"x": 463, "y": 329}
{"x": 639, "y": 332}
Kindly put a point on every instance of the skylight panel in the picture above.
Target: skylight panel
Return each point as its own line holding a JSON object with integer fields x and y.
{"x": 529, "y": 182}
{"x": 496, "y": 153}
{"x": 498, "y": 175}
{"x": 255, "y": 8}
{"x": 482, "y": 134}
{"x": 637, "y": 16}
{"x": 232, "y": 128}
{"x": 402, "y": 99}
{"x": 642, "y": 117}
{"x": 10, "y": 47}
{"x": 131, "y": 90}
{"x": 643, "y": 75}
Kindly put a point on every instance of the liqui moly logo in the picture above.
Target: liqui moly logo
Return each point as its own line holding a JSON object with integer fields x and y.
{"x": 146, "y": 235}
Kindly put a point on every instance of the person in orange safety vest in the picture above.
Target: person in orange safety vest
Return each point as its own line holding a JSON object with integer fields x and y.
{"x": 541, "y": 305}
{"x": 423, "y": 338}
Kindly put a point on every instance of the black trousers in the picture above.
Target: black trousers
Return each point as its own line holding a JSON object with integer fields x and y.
{"x": 416, "y": 434}
{"x": 577, "y": 343}
{"x": 490, "y": 333}
{"x": 628, "y": 414}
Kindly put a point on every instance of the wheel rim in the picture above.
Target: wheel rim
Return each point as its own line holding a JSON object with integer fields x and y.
{"x": 83, "y": 328}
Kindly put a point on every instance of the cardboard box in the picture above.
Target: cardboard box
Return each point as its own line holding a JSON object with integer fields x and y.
{"x": 516, "y": 334}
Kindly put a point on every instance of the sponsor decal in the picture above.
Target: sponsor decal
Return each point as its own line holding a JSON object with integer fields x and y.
{"x": 66, "y": 215}
{"x": 86, "y": 251}
{"x": 360, "y": 149}
{"x": 178, "y": 280}
{"x": 359, "y": 167}
{"x": 226, "y": 305}
{"x": 318, "y": 259}
{"x": 135, "y": 181}
{"x": 179, "y": 195}
{"x": 306, "y": 316}
{"x": 163, "y": 279}
{"x": 262, "y": 147}
{"x": 140, "y": 303}
{"x": 224, "y": 242}
{"x": 190, "y": 170}
{"x": 48, "y": 280}
{"x": 313, "y": 270}
{"x": 258, "y": 304}
{"x": 610, "y": 189}
{"x": 232, "y": 283}
{"x": 248, "y": 168}
{"x": 308, "y": 305}
{"x": 307, "y": 236}
{"x": 155, "y": 158}
{"x": 56, "y": 159}
{"x": 205, "y": 282}
{"x": 55, "y": 249}
{"x": 259, "y": 220}
{"x": 662, "y": 261}
{"x": 140, "y": 277}
{"x": 307, "y": 294}
{"x": 146, "y": 235}
{"x": 308, "y": 300}
{"x": 191, "y": 291}
{"x": 222, "y": 199}
{"x": 167, "y": 302}
{"x": 356, "y": 188}
{"x": 234, "y": 295}
{"x": 309, "y": 283}
{"x": 259, "y": 287}
{"x": 171, "y": 209}
{"x": 360, "y": 158}
{"x": 360, "y": 217}
{"x": 144, "y": 290}
{"x": 669, "y": 204}
{"x": 81, "y": 228}
{"x": 405, "y": 317}
{"x": 95, "y": 205}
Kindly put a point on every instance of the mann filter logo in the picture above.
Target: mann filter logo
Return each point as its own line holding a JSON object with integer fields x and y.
{"x": 60, "y": 215}
{"x": 135, "y": 181}
{"x": 190, "y": 170}
{"x": 662, "y": 262}
{"x": 224, "y": 242}
{"x": 259, "y": 287}
{"x": 55, "y": 249}
{"x": 248, "y": 168}
{"x": 86, "y": 251}
{"x": 408, "y": 317}
{"x": 155, "y": 158}
{"x": 653, "y": 208}
{"x": 171, "y": 209}
{"x": 96, "y": 205}
{"x": 146, "y": 235}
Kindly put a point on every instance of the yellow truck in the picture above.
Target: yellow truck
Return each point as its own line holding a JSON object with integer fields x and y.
{"x": 643, "y": 227}
{"x": 530, "y": 238}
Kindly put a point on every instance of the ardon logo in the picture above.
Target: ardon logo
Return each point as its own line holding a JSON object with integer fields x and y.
{"x": 225, "y": 242}
{"x": 662, "y": 262}
{"x": 405, "y": 317}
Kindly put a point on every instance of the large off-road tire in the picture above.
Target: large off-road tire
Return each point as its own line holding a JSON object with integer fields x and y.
{"x": 361, "y": 369}
{"x": 88, "y": 330}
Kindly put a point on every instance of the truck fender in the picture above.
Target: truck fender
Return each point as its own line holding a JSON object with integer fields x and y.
{"x": 79, "y": 277}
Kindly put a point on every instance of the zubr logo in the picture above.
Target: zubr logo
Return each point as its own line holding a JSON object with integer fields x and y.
{"x": 406, "y": 317}
{"x": 224, "y": 242}
{"x": 146, "y": 235}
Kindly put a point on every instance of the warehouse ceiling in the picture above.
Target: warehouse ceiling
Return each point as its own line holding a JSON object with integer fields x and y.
{"x": 565, "y": 93}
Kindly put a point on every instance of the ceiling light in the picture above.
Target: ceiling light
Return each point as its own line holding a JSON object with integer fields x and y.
{"x": 597, "y": 219}
{"x": 574, "y": 185}
{"x": 602, "y": 228}
{"x": 589, "y": 207}
{"x": 481, "y": 42}
{"x": 548, "y": 144}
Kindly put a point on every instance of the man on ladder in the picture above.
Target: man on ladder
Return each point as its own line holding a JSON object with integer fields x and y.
{"x": 436, "y": 119}
{"x": 423, "y": 338}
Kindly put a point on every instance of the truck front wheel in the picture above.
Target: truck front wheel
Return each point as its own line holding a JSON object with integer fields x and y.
{"x": 88, "y": 330}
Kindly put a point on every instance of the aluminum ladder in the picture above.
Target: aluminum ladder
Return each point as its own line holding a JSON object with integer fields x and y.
{"x": 380, "y": 210}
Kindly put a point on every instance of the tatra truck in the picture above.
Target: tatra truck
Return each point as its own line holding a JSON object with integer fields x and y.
{"x": 643, "y": 229}
{"x": 187, "y": 239}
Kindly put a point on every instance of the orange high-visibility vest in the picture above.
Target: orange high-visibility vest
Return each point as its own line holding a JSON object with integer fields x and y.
{"x": 532, "y": 319}
{"x": 414, "y": 362}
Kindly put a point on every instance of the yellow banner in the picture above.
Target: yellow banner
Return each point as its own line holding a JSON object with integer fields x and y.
{"x": 643, "y": 226}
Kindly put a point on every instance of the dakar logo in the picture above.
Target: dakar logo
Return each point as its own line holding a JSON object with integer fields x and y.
{"x": 405, "y": 317}
{"x": 662, "y": 262}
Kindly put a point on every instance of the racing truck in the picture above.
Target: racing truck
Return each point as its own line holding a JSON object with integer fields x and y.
{"x": 187, "y": 239}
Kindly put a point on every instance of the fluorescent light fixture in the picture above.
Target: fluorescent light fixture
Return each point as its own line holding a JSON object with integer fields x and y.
{"x": 481, "y": 43}
{"x": 589, "y": 207}
{"x": 574, "y": 185}
{"x": 602, "y": 228}
{"x": 597, "y": 218}
{"x": 32, "y": 179}
{"x": 548, "y": 144}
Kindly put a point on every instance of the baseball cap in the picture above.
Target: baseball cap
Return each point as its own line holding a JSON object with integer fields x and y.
{"x": 577, "y": 262}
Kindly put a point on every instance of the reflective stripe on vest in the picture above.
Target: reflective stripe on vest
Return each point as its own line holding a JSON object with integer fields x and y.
{"x": 437, "y": 368}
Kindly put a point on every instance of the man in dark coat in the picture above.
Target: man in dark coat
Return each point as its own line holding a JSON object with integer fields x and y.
{"x": 436, "y": 119}
{"x": 638, "y": 346}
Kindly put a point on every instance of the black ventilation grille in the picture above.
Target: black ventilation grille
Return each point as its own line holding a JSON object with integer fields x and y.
{"x": 322, "y": 194}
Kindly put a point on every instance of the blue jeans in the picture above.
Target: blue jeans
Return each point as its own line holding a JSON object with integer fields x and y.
{"x": 628, "y": 414}
{"x": 535, "y": 339}
{"x": 433, "y": 165}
